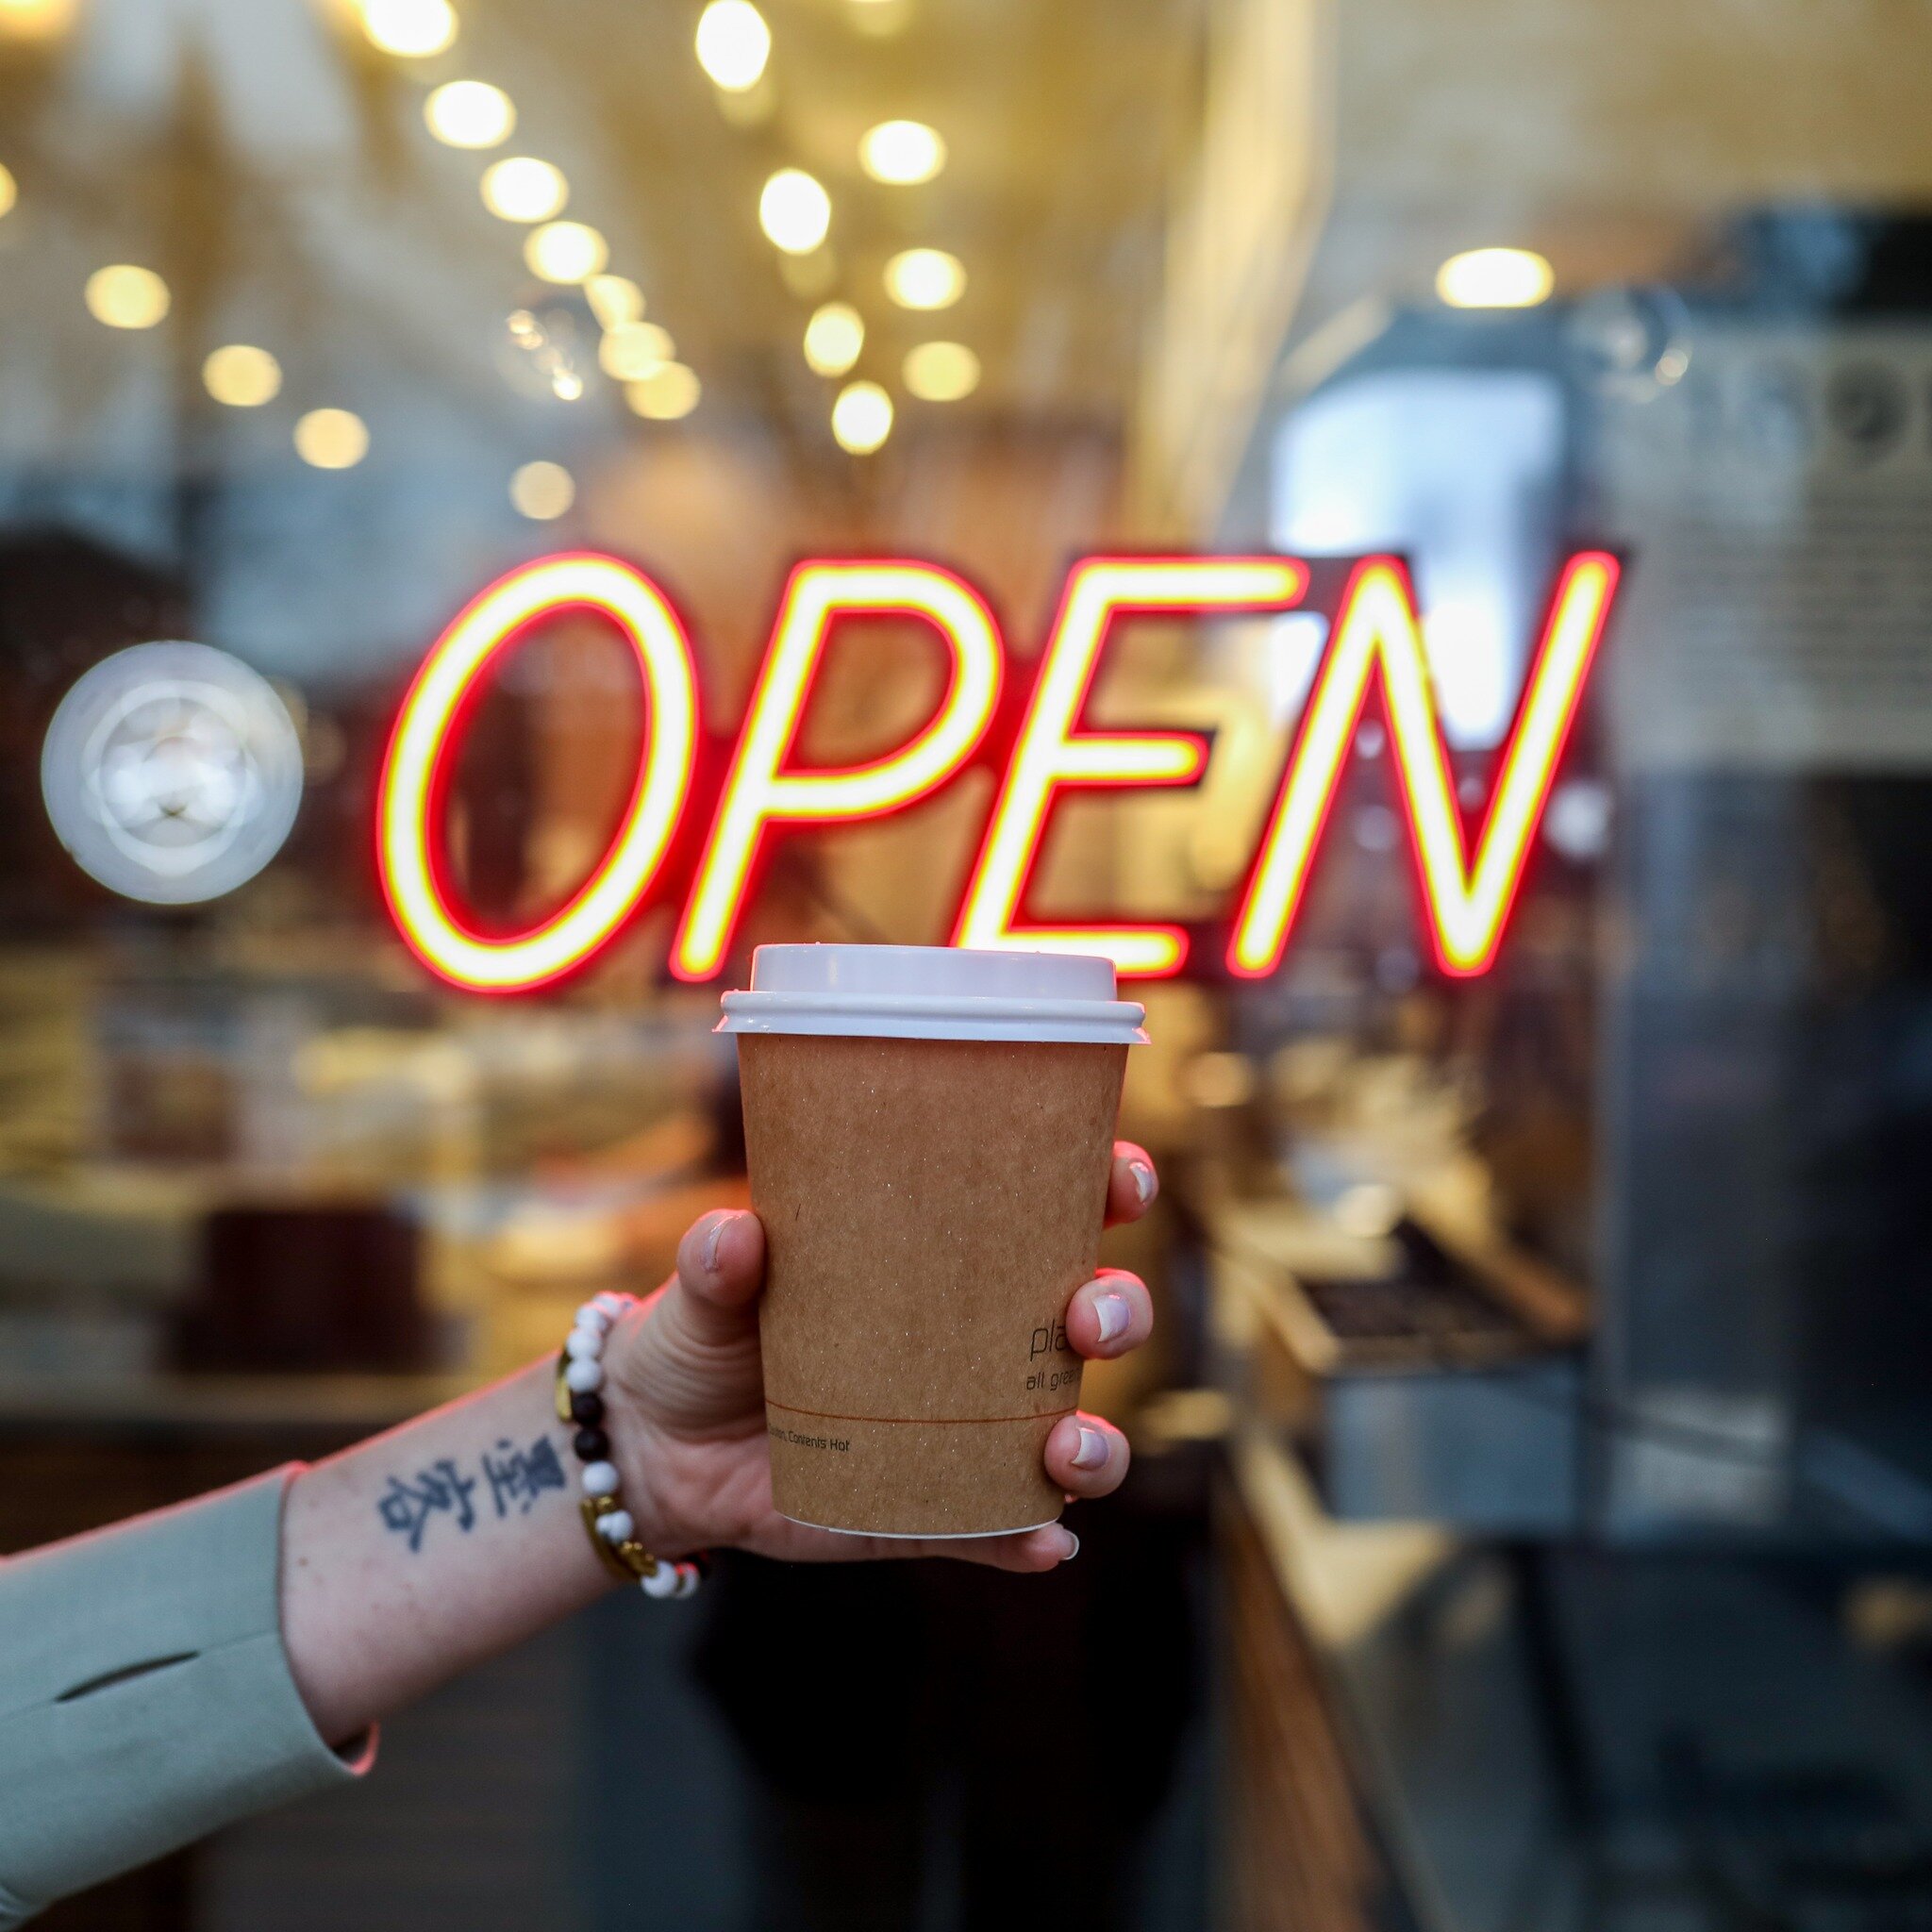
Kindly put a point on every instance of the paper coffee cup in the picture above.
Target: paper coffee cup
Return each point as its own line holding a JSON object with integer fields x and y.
{"x": 929, "y": 1133}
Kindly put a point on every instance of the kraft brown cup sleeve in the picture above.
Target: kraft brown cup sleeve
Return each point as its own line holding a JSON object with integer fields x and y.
{"x": 929, "y": 1206}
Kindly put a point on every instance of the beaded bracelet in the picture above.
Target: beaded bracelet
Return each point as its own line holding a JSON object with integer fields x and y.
{"x": 612, "y": 1528}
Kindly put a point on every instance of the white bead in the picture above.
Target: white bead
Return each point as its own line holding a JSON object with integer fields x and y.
{"x": 661, "y": 1582}
{"x": 584, "y": 1344}
{"x": 584, "y": 1377}
{"x": 592, "y": 1316}
{"x": 688, "y": 1579}
{"x": 612, "y": 1304}
{"x": 616, "y": 1526}
{"x": 600, "y": 1478}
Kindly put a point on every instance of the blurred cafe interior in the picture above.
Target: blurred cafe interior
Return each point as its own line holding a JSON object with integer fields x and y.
{"x": 1531, "y": 1519}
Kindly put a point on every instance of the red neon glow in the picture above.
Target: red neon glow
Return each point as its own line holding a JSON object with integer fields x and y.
{"x": 759, "y": 793}
{"x": 409, "y": 834}
{"x": 1467, "y": 906}
{"x": 1053, "y": 753}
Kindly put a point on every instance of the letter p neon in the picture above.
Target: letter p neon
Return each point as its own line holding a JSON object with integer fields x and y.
{"x": 760, "y": 793}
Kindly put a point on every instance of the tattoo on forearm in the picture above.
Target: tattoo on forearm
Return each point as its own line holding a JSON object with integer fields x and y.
{"x": 516, "y": 1478}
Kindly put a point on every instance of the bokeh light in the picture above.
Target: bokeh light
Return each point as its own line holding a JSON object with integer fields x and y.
{"x": 332, "y": 438}
{"x": 566, "y": 251}
{"x": 633, "y": 350}
{"x": 733, "y": 45}
{"x": 36, "y": 20}
{"x": 794, "y": 212}
{"x": 523, "y": 189}
{"x": 925, "y": 278}
{"x": 470, "y": 113}
{"x": 861, "y": 417}
{"x": 669, "y": 392}
{"x": 1495, "y": 278}
{"x": 125, "y": 297}
{"x": 833, "y": 338}
{"x": 242, "y": 375}
{"x": 614, "y": 300}
{"x": 412, "y": 28}
{"x": 942, "y": 372}
{"x": 543, "y": 492}
{"x": 902, "y": 152}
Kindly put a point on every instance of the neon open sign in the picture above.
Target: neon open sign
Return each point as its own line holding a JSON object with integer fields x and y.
{"x": 1467, "y": 887}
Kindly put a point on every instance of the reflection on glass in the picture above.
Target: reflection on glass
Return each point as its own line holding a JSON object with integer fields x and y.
{"x": 172, "y": 772}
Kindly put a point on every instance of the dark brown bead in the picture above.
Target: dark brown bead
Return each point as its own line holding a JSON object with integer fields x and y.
{"x": 587, "y": 1411}
{"x": 592, "y": 1445}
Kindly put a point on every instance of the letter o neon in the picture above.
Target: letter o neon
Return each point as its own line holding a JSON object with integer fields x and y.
{"x": 408, "y": 823}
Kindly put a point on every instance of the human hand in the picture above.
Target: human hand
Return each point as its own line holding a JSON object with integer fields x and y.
{"x": 686, "y": 1394}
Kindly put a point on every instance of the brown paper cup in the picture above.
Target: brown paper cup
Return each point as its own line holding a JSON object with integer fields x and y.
{"x": 929, "y": 1206}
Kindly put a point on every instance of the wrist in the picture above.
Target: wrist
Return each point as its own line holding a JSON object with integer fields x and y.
{"x": 618, "y": 1452}
{"x": 662, "y": 1490}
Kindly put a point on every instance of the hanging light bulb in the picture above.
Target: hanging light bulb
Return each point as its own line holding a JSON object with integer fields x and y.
{"x": 833, "y": 338}
{"x": 409, "y": 29}
{"x": 794, "y": 212}
{"x": 523, "y": 189}
{"x": 902, "y": 152}
{"x": 242, "y": 375}
{"x": 925, "y": 278}
{"x": 733, "y": 45}
{"x": 942, "y": 372}
{"x": 470, "y": 113}
{"x": 861, "y": 417}
{"x": 566, "y": 251}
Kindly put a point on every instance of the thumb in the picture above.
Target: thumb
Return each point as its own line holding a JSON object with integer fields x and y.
{"x": 721, "y": 1265}
{"x": 690, "y": 1353}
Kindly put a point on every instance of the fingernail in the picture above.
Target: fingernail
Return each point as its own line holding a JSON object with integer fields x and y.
{"x": 1092, "y": 1454}
{"x": 1144, "y": 1180}
{"x": 1073, "y": 1548}
{"x": 714, "y": 1235}
{"x": 1114, "y": 1315}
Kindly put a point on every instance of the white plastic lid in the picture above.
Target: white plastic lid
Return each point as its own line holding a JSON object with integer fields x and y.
{"x": 933, "y": 992}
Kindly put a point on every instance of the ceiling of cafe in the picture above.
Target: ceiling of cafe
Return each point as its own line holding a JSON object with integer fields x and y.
{"x": 275, "y": 168}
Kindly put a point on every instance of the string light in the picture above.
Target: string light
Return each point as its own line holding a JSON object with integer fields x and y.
{"x": 633, "y": 350}
{"x": 470, "y": 113}
{"x": 925, "y": 278}
{"x": 543, "y": 492}
{"x": 733, "y": 45}
{"x": 794, "y": 212}
{"x": 614, "y": 300}
{"x": 523, "y": 189}
{"x": 861, "y": 417}
{"x": 666, "y": 394}
{"x": 125, "y": 297}
{"x": 902, "y": 152}
{"x": 242, "y": 375}
{"x": 565, "y": 251}
{"x": 833, "y": 338}
{"x": 410, "y": 28}
{"x": 942, "y": 372}
{"x": 1495, "y": 278}
{"x": 332, "y": 438}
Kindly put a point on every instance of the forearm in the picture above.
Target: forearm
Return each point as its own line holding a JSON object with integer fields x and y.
{"x": 414, "y": 1555}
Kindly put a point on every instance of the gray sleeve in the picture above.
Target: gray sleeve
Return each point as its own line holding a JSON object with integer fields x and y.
{"x": 146, "y": 1698}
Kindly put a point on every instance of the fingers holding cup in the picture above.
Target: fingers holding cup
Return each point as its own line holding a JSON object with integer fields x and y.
{"x": 1112, "y": 1315}
{"x": 1087, "y": 1456}
{"x": 1133, "y": 1185}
